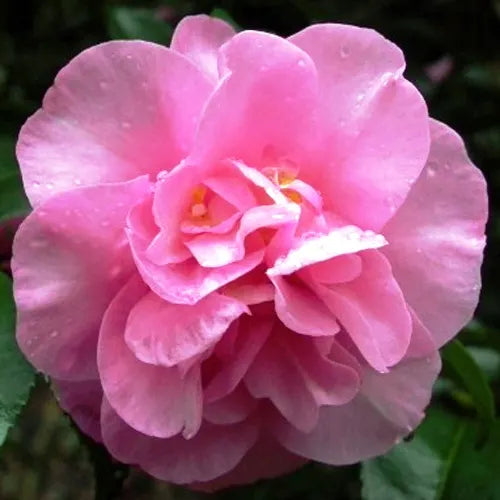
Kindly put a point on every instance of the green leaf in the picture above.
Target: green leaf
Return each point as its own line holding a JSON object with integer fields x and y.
{"x": 13, "y": 201}
{"x": 464, "y": 369}
{"x": 225, "y": 16}
{"x": 16, "y": 375}
{"x": 8, "y": 162}
{"x": 133, "y": 23}
{"x": 441, "y": 462}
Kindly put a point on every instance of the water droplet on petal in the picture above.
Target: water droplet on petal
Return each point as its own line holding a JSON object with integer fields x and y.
{"x": 104, "y": 85}
{"x": 344, "y": 51}
{"x": 161, "y": 176}
{"x": 77, "y": 181}
{"x": 105, "y": 223}
{"x": 301, "y": 63}
{"x": 54, "y": 334}
{"x": 126, "y": 125}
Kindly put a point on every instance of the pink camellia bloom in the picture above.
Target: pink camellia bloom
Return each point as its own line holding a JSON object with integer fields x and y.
{"x": 245, "y": 250}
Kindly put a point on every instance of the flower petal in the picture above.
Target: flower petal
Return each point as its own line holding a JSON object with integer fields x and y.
{"x": 152, "y": 399}
{"x": 313, "y": 248}
{"x": 373, "y": 311}
{"x": 215, "y": 450}
{"x": 266, "y": 459}
{"x": 70, "y": 258}
{"x": 116, "y": 111}
{"x": 82, "y": 400}
{"x": 266, "y": 99}
{"x": 186, "y": 282}
{"x": 389, "y": 407}
{"x": 199, "y": 38}
{"x": 437, "y": 237}
{"x": 377, "y": 136}
{"x": 161, "y": 333}
{"x": 216, "y": 250}
{"x": 301, "y": 310}
{"x": 250, "y": 337}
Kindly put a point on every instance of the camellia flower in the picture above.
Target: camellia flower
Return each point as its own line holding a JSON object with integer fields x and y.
{"x": 245, "y": 250}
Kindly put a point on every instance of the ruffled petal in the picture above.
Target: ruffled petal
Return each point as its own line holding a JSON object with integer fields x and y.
{"x": 199, "y": 38}
{"x": 388, "y": 407}
{"x": 152, "y": 399}
{"x": 186, "y": 282}
{"x": 215, "y": 450}
{"x": 373, "y": 311}
{"x": 161, "y": 333}
{"x": 301, "y": 310}
{"x": 436, "y": 239}
{"x": 266, "y": 99}
{"x": 374, "y": 122}
{"x": 82, "y": 400}
{"x": 266, "y": 459}
{"x": 70, "y": 258}
{"x": 313, "y": 248}
{"x": 116, "y": 111}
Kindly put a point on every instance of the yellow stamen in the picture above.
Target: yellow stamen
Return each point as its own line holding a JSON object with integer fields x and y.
{"x": 292, "y": 195}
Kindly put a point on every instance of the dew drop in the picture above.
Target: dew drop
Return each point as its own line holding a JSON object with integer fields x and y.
{"x": 49, "y": 185}
{"x": 38, "y": 244}
{"x": 115, "y": 271}
{"x": 344, "y": 51}
{"x": 126, "y": 125}
{"x": 301, "y": 63}
{"x": 104, "y": 85}
{"x": 360, "y": 97}
{"x": 54, "y": 334}
{"x": 77, "y": 181}
{"x": 161, "y": 176}
{"x": 105, "y": 223}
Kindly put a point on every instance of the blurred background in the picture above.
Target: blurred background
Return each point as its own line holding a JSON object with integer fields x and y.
{"x": 453, "y": 54}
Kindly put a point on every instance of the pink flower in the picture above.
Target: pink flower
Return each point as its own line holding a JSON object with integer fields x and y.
{"x": 245, "y": 251}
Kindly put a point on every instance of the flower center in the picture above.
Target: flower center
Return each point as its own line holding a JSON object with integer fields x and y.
{"x": 283, "y": 177}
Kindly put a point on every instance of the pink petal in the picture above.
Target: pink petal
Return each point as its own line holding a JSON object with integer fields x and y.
{"x": 251, "y": 336}
{"x": 266, "y": 98}
{"x": 82, "y": 400}
{"x": 273, "y": 375}
{"x": 162, "y": 333}
{"x": 173, "y": 195}
{"x": 233, "y": 187}
{"x": 199, "y": 38}
{"x": 302, "y": 310}
{"x": 70, "y": 258}
{"x": 215, "y": 450}
{"x": 186, "y": 282}
{"x": 340, "y": 269}
{"x": 151, "y": 399}
{"x": 233, "y": 408}
{"x": 377, "y": 137}
{"x": 373, "y": 311}
{"x": 329, "y": 381}
{"x": 422, "y": 343}
{"x": 116, "y": 111}
{"x": 437, "y": 237}
{"x": 266, "y": 459}
{"x": 216, "y": 250}
{"x": 388, "y": 407}
{"x": 313, "y": 248}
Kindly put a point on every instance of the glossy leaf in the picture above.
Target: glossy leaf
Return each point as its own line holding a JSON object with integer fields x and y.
{"x": 133, "y": 23}
{"x": 13, "y": 201}
{"x": 465, "y": 370}
{"x": 443, "y": 461}
{"x": 16, "y": 375}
